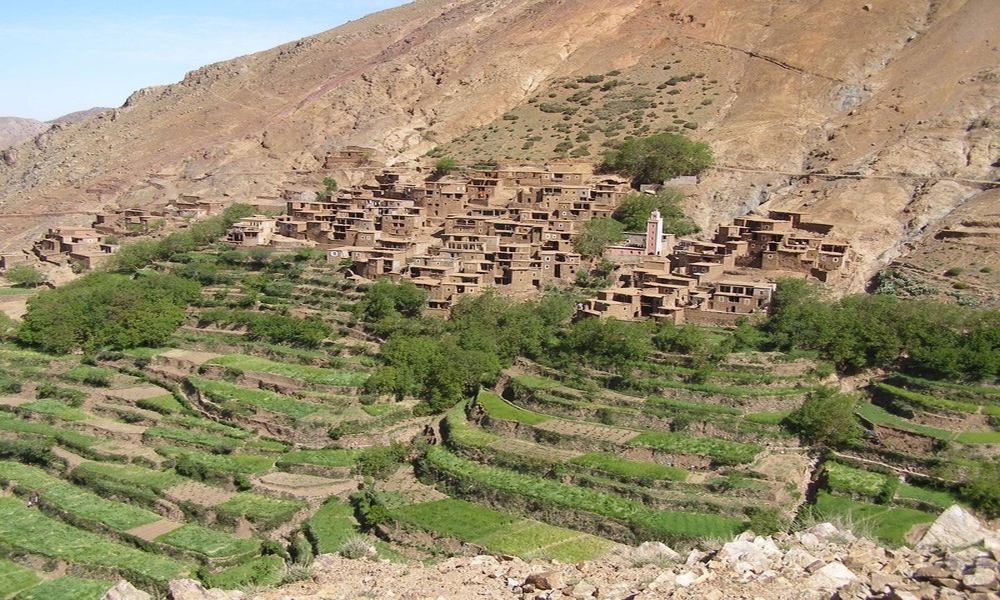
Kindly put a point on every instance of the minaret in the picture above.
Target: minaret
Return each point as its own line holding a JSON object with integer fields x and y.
{"x": 654, "y": 234}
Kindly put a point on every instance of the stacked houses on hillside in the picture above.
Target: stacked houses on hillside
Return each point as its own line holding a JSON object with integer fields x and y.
{"x": 514, "y": 229}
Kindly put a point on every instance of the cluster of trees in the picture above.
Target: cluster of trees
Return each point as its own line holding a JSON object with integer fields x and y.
{"x": 140, "y": 254}
{"x": 657, "y": 158}
{"x": 921, "y": 336}
{"x": 442, "y": 361}
{"x": 275, "y": 328}
{"x": 104, "y": 310}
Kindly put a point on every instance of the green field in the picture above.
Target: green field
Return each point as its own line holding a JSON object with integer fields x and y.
{"x": 306, "y": 373}
{"x": 331, "y": 526}
{"x": 331, "y": 457}
{"x": 67, "y": 587}
{"x": 883, "y": 522}
{"x": 223, "y": 391}
{"x": 615, "y": 465}
{"x": 498, "y": 408}
{"x": 499, "y": 532}
{"x": 723, "y": 451}
{"x": 80, "y": 503}
{"x": 28, "y": 530}
{"x": 14, "y": 578}
{"x": 657, "y": 522}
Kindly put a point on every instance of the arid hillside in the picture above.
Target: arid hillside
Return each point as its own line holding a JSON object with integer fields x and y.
{"x": 881, "y": 117}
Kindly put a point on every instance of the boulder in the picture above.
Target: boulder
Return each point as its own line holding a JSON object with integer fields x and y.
{"x": 124, "y": 590}
{"x": 189, "y": 589}
{"x": 955, "y": 528}
{"x": 546, "y": 580}
{"x": 830, "y": 577}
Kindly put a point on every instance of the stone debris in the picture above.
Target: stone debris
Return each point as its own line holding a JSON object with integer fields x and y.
{"x": 824, "y": 562}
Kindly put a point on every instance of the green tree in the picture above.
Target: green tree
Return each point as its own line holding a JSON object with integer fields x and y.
{"x": 329, "y": 186}
{"x": 597, "y": 235}
{"x": 608, "y": 342}
{"x": 826, "y": 418}
{"x": 25, "y": 276}
{"x": 659, "y": 157}
{"x": 634, "y": 211}
{"x": 378, "y": 463}
{"x": 444, "y": 166}
{"x": 981, "y": 489}
{"x": 103, "y": 310}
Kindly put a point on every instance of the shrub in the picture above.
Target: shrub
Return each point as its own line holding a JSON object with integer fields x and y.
{"x": 954, "y": 272}
{"x": 357, "y": 546}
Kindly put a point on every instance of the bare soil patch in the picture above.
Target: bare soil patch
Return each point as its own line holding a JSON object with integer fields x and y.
{"x": 306, "y": 486}
{"x": 588, "y": 430}
{"x": 198, "y": 493}
{"x": 140, "y": 392}
{"x": 154, "y": 530}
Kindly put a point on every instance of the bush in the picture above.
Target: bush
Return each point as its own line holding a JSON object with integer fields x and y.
{"x": 954, "y": 272}
{"x": 826, "y": 418}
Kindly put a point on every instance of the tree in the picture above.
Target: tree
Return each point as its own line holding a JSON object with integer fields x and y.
{"x": 826, "y": 418}
{"x": 981, "y": 489}
{"x": 25, "y": 276}
{"x": 597, "y": 235}
{"x": 659, "y": 157}
{"x": 103, "y": 310}
{"x": 634, "y": 211}
{"x": 444, "y": 166}
{"x": 329, "y": 185}
{"x": 608, "y": 342}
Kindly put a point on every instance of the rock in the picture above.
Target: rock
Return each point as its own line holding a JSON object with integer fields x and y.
{"x": 955, "y": 528}
{"x": 685, "y": 579}
{"x": 931, "y": 572}
{"x": 546, "y": 580}
{"x": 745, "y": 555}
{"x": 124, "y": 590}
{"x": 809, "y": 540}
{"x": 581, "y": 590}
{"x": 980, "y": 578}
{"x": 654, "y": 553}
{"x": 188, "y": 589}
{"x": 902, "y": 595}
{"x": 831, "y": 577}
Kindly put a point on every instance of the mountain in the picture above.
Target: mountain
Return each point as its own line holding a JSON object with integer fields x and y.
{"x": 14, "y": 130}
{"x": 881, "y": 118}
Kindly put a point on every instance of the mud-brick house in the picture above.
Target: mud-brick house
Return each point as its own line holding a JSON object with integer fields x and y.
{"x": 194, "y": 207}
{"x": 440, "y": 199}
{"x": 14, "y": 259}
{"x": 739, "y": 296}
{"x": 349, "y": 156}
{"x": 256, "y": 230}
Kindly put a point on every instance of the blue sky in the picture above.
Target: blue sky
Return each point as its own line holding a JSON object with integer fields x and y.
{"x": 60, "y": 56}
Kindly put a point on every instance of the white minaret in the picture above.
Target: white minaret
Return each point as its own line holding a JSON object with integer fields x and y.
{"x": 654, "y": 234}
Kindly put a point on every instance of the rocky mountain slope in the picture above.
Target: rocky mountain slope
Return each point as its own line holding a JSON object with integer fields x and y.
{"x": 14, "y": 130}
{"x": 881, "y": 118}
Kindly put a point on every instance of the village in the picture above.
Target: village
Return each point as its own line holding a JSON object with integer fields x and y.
{"x": 512, "y": 228}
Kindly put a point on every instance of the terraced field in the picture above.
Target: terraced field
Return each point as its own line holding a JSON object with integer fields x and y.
{"x": 230, "y": 454}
